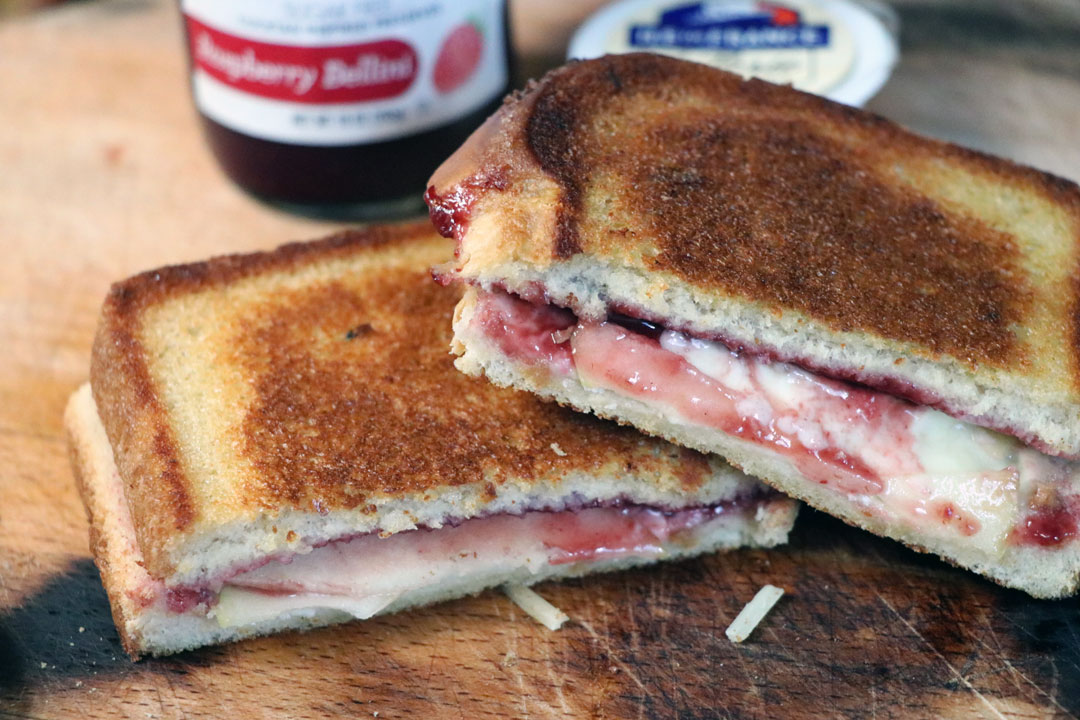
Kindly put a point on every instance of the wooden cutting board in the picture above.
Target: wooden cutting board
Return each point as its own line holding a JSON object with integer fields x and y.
{"x": 103, "y": 174}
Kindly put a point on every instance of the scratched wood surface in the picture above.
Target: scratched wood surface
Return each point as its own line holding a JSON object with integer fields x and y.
{"x": 103, "y": 173}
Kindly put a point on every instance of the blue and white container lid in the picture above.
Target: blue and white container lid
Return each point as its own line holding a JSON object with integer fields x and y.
{"x": 842, "y": 49}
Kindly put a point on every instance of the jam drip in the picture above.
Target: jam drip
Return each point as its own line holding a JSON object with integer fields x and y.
{"x": 451, "y": 211}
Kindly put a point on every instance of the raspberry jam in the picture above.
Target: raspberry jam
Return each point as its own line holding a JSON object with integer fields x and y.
{"x": 1048, "y": 528}
{"x": 450, "y": 212}
{"x": 339, "y": 109}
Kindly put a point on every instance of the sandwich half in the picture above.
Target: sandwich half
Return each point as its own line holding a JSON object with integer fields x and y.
{"x": 280, "y": 440}
{"x": 880, "y": 324}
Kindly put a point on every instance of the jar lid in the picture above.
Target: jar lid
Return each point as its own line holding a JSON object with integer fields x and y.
{"x": 842, "y": 49}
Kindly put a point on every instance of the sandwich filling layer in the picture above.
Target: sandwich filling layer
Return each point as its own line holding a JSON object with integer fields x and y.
{"x": 365, "y": 575}
{"x": 907, "y": 464}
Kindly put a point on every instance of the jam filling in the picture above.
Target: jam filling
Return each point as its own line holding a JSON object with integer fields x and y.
{"x": 1049, "y": 527}
{"x": 854, "y": 440}
{"x": 614, "y": 352}
{"x": 367, "y": 565}
{"x": 181, "y": 600}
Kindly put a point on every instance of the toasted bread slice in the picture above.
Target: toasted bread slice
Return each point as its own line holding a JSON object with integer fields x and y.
{"x": 786, "y": 239}
{"x": 294, "y": 404}
{"x": 785, "y": 224}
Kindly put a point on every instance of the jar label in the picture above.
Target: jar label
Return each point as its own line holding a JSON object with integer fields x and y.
{"x": 343, "y": 73}
{"x": 797, "y": 42}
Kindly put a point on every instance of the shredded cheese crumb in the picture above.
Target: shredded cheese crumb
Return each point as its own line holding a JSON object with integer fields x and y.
{"x": 536, "y": 607}
{"x": 753, "y": 613}
{"x": 558, "y": 450}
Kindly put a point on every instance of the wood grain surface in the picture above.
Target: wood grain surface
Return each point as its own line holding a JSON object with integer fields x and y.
{"x": 103, "y": 174}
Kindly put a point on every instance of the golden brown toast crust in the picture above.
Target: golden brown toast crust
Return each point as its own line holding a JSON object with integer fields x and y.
{"x": 773, "y": 195}
{"x": 391, "y": 414}
{"x": 330, "y": 388}
{"x": 132, "y": 411}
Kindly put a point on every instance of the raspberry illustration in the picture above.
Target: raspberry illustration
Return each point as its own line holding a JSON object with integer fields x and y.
{"x": 459, "y": 57}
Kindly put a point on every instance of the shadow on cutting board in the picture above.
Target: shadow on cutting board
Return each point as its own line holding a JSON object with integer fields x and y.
{"x": 61, "y": 630}
{"x": 62, "y": 633}
{"x": 62, "y": 637}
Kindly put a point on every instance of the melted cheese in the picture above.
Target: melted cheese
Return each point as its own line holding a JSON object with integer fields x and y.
{"x": 909, "y": 464}
{"x": 364, "y": 576}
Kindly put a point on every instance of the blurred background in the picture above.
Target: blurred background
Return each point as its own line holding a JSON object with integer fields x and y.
{"x": 994, "y": 74}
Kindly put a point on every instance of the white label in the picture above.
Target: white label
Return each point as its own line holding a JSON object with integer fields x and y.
{"x": 343, "y": 72}
{"x": 795, "y": 42}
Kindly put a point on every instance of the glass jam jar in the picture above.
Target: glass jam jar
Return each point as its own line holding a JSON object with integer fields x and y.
{"x": 343, "y": 108}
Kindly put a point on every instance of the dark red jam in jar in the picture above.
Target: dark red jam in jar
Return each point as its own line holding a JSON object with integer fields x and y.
{"x": 343, "y": 107}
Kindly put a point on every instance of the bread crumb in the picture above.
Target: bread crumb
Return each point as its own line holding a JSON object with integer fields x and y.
{"x": 558, "y": 450}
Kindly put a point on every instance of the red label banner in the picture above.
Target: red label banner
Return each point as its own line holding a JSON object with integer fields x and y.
{"x": 316, "y": 75}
